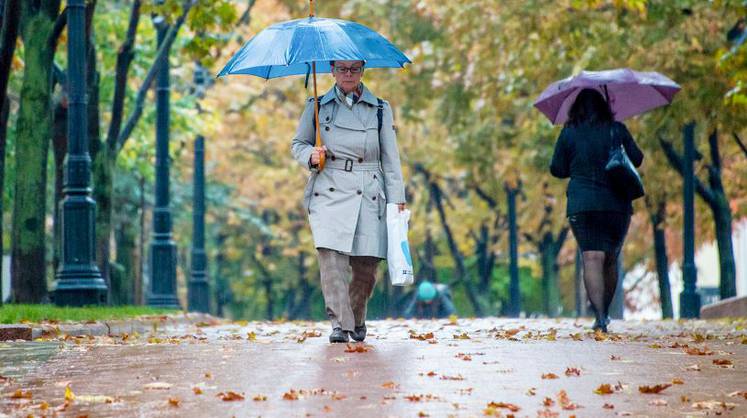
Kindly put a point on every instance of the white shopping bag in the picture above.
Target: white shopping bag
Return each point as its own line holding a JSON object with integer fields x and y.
{"x": 398, "y": 249}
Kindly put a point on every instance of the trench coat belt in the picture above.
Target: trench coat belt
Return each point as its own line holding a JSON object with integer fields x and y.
{"x": 352, "y": 165}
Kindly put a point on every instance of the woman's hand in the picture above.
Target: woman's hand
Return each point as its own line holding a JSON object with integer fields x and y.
{"x": 402, "y": 206}
{"x": 316, "y": 155}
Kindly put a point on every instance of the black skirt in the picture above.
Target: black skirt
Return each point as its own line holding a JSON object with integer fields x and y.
{"x": 600, "y": 230}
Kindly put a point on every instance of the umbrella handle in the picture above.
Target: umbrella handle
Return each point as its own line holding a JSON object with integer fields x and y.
{"x": 322, "y": 157}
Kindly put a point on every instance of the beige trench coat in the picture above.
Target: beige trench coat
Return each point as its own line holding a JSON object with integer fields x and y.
{"x": 347, "y": 200}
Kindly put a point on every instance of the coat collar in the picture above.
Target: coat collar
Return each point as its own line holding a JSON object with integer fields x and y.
{"x": 367, "y": 96}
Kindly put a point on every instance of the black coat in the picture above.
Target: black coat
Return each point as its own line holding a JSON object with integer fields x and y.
{"x": 581, "y": 153}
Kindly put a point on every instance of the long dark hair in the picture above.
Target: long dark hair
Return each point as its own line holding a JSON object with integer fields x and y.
{"x": 589, "y": 108}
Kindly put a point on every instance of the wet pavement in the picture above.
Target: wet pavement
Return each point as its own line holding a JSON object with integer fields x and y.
{"x": 460, "y": 368}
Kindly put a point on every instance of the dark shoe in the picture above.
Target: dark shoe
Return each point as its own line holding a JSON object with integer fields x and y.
{"x": 600, "y": 324}
{"x": 338, "y": 336}
{"x": 359, "y": 334}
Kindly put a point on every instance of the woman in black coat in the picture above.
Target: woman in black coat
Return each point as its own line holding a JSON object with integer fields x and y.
{"x": 598, "y": 215}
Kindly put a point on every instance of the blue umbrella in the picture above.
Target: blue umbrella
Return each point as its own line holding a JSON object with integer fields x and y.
{"x": 294, "y": 48}
{"x": 290, "y": 48}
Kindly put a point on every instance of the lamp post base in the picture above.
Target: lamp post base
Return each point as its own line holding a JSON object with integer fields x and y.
{"x": 79, "y": 287}
{"x": 689, "y": 305}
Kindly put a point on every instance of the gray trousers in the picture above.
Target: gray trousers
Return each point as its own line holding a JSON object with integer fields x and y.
{"x": 347, "y": 284}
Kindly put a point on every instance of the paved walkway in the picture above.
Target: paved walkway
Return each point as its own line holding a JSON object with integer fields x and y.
{"x": 460, "y": 368}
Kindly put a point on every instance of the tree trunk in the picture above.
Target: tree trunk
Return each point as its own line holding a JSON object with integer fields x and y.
{"x": 138, "y": 286}
{"x": 11, "y": 11}
{"x": 662, "y": 261}
{"x": 33, "y": 130}
{"x": 59, "y": 149}
{"x": 549, "y": 249}
{"x": 4, "y": 113}
{"x": 723, "y": 220}
{"x": 123, "y": 288}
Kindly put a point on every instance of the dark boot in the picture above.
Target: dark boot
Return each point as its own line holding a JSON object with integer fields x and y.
{"x": 359, "y": 334}
{"x": 338, "y": 336}
{"x": 601, "y": 323}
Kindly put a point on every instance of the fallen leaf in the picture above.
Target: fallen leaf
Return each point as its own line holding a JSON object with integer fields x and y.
{"x": 174, "y": 402}
{"x": 357, "y": 348}
{"x": 422, "y": 414}
{"x": 465, "y": 357}
{"x": 230, "y": 396}
{"x": 531, "y": 391}
{"x": 457, "y": 377}
{"x": 694, "y": 351}
{"x": 653, "y": 389}
{"x": 157, "y": 386}
{"x": 684, "y": 398}
{"x": 614, "y": 357}
{"x": 549, "y": 376}
{"x": 714, "y": 405}
{"x": 723, "y": 362}
{"x": 251, "y": 336}
{"x": 21, "y": 394}
{"x": 94, "y": 399}
{"x": 608, "y": 406}
{"x": 576, "y": 337}
{"x": 291, "y": 395}
{"x": 462, "y": 336}
{"x": 327, "y": 409}
{"x": 504, "y": 405}
{"x": 197, "y": 390}
{"x": 389, "y": 385}
{"x": 693, "y": 368}
{"x": 69, "y": 395}
{"x": 453, "y": 319}
{"x": 259, "y": 398}
{"x": 431, "y": 374}
{"x": 572, "y": 371}
{"x": 604, "y": 389}
{"x": 548, "y": 402}
{"x": 547, "y": 413}
{"x": 565, "y": 401}
{"x": 678, "y": 381}
{"x": 421, "y": 337}
{"x": 739, "y": 393}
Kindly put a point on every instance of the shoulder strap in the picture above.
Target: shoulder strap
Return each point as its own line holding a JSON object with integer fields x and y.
{"x": 616, "y": 141}
{"x": 380, "y": 114}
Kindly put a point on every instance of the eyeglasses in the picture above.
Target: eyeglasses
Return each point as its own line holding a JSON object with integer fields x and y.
{"x": 351, "y": 70}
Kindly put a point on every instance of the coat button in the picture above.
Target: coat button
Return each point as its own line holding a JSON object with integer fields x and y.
{"x": 326, "y": 128}
{"x": 333, "y": 158}
{"x": 360, "y": 192}
{"x": 331, "y": 189}
{"x": 374, "y": 198}
{"x": 360, "y": 160}
{"x": 327, "y": 119}
{"x": 375, "y": 176}
{"x": 316, "y": 194}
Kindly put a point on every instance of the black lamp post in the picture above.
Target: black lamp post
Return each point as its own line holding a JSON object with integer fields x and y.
{"x": 198, "y": 290}
{"x": 79, "y": 281}
{"x": 162, "y": 248}
{"x": 514, "y": 304}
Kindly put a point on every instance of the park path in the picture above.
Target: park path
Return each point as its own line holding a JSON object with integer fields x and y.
{"x": 457, "y": 367}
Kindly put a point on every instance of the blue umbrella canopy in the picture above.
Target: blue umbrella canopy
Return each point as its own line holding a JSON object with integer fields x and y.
{"x": 289, "y": 48}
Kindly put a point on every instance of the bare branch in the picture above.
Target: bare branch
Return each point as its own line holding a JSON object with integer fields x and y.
{"x": 740, "y": 143}
{"x": 59, "y": 26}
{"x": 124, "y": 58}
{"x": 161, "y": 55}
{"x": 675, "y": 160}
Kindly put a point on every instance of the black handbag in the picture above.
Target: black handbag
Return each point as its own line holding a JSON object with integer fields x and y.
{"x": 620, "y": 170}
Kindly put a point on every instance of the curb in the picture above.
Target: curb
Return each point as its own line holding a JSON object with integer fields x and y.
{"x": 28, "y": 332}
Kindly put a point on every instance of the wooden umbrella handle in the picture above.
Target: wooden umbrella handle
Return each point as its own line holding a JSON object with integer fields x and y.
{"x": 322, "y": 157}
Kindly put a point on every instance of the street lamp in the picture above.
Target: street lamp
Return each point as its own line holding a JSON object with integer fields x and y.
{"x": 79, "y": 281}
{"x": 162, "y": 248}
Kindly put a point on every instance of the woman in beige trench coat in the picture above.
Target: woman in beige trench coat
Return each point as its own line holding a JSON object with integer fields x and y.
{"x": 346, "y": 201}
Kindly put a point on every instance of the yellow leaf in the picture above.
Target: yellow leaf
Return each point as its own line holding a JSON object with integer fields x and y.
{"x": 69, "y": 395}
